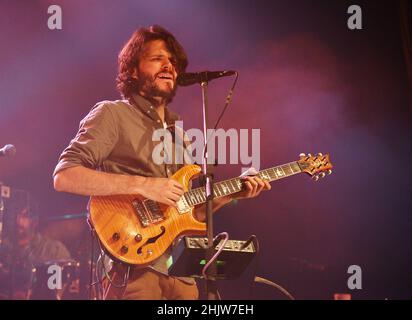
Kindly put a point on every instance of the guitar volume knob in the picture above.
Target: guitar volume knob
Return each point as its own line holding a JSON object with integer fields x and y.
{"x": 124, "y": 249}
{"x": 138, "y": 237}
{"x": 116, "y": 236}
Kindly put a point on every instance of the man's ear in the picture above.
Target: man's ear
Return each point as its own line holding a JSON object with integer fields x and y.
{"x": 134, "y": 74}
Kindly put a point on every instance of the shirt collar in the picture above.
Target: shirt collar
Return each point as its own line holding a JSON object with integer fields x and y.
{"x": 147, "y": 108}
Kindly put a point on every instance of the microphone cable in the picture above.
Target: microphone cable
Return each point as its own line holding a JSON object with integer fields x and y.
{"x": 228, "y": 100}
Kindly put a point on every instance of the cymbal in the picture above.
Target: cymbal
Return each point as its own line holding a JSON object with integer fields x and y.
{"x": 67, "y": 217}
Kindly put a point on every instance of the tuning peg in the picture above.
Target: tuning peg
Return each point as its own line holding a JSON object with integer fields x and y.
{"x": 329, "y": 171}
{"x": 320, "y": 154}
{"x": 322, "y": 174}
{"x": 315, "y": 177}
{"x": 309, "y": 154}
{"x": 302, "y": 155}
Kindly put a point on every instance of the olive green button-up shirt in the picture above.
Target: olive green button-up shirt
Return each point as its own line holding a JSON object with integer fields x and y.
{"x": 116, "y": 137}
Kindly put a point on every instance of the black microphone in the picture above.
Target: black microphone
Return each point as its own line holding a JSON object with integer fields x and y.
{"x": 8, "y": 151}
{"x": 187, "y": 79}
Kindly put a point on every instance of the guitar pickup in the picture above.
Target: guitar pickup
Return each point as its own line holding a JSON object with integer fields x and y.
{"x": 141, "y": 212}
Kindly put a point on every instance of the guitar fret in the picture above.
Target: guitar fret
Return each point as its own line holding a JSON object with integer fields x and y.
{"x": 233, "y": 187}
{"x": 264, "y": 175}
{"x": 230, "y": 186}
{"x": 188, "y": 199}
{"x": 286, "y": 170}
{"x": 194, "y": 201}
{"x": 224, "y": 188}
{"x": 296, "y": 166}
{"x": 221, "y": 189}
{"x": 235, "y": 184}
{"x": 195, "y": 197}
{"x": 238, "y": 184}
{"x": 275, "y": 176}
{"x": 217, "y": 190}
{"x": 270, "y": 175}
{"x": 279, "y": 173}
{"x": 198, "y": 197}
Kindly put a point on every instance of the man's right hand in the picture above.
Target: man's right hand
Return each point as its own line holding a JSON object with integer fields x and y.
{"x": 163, "y": 190}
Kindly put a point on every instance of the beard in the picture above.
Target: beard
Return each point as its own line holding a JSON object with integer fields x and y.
{"x": 151, "y": 90}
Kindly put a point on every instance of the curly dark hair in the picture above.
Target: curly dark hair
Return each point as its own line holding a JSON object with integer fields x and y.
{"x": 130, "y": 54}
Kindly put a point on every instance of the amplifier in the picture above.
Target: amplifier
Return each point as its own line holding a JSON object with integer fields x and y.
{"x": 189, "y": 258}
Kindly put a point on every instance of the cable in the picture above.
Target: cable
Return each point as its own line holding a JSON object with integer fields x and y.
{"x": 257, "y": 247}
{"x": 91, "y": 264}
{"x": 106, "y": 274}
{"x": 101, "y": 293}
{"x": 228, "y": 100}
{"x": 274, "y": 285}
{"x": 207, "y": 265}
{"x": 257, "y": 279}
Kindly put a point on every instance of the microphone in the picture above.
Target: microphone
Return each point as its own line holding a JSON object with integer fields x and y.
{"x": 8, "y": 151}
{"x": 187, "y": 79}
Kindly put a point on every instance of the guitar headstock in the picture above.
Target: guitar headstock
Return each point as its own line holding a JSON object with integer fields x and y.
{"x": 316, "y": 166}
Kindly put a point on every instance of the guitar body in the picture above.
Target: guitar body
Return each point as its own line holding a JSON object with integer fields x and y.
{"x": 136, "y": 230}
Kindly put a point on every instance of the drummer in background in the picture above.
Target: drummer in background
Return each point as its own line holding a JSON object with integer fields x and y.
{"x": 32, "y": 248}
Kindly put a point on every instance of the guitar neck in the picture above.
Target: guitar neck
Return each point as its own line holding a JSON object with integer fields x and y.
{"x": 223, "y": 188}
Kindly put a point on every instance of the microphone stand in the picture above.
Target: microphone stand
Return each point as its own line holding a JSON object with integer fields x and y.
{"x": 207, "y": 179}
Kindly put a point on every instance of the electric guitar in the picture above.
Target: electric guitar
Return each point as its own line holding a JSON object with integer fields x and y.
{"x": 137, "y": 231}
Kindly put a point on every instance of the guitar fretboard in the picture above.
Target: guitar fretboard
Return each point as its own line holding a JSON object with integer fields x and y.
{"x": 227, "y": 187}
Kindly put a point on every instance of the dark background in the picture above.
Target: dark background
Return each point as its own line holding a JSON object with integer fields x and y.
{"x": 308, "y": 82}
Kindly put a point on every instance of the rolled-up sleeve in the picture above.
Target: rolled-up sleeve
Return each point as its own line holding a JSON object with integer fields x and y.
{"x": 94, "y": 141}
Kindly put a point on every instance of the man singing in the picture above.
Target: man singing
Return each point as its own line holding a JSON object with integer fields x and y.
{"x": 112, "y": 153}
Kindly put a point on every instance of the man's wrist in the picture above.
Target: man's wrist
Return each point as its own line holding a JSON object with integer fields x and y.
{"x": 138, "y": 184}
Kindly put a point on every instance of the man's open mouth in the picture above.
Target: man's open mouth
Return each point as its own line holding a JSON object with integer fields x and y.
{"x": 166, "y": 76}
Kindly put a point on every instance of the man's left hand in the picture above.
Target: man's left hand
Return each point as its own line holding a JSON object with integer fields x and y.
{"x": 254, "y": 186}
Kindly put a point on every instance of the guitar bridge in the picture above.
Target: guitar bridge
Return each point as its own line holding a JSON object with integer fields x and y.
{"x": 153, "y": 209}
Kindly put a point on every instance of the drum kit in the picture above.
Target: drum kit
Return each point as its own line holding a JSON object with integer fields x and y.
{"x": 65, "y": 279}
{"x": 61, "y": 279}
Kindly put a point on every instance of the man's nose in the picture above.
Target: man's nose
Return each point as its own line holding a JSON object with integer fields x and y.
{"x": 168, "y": 66}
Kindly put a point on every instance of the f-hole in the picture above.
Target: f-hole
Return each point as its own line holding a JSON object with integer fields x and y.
{"x": 152, "y": 240}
